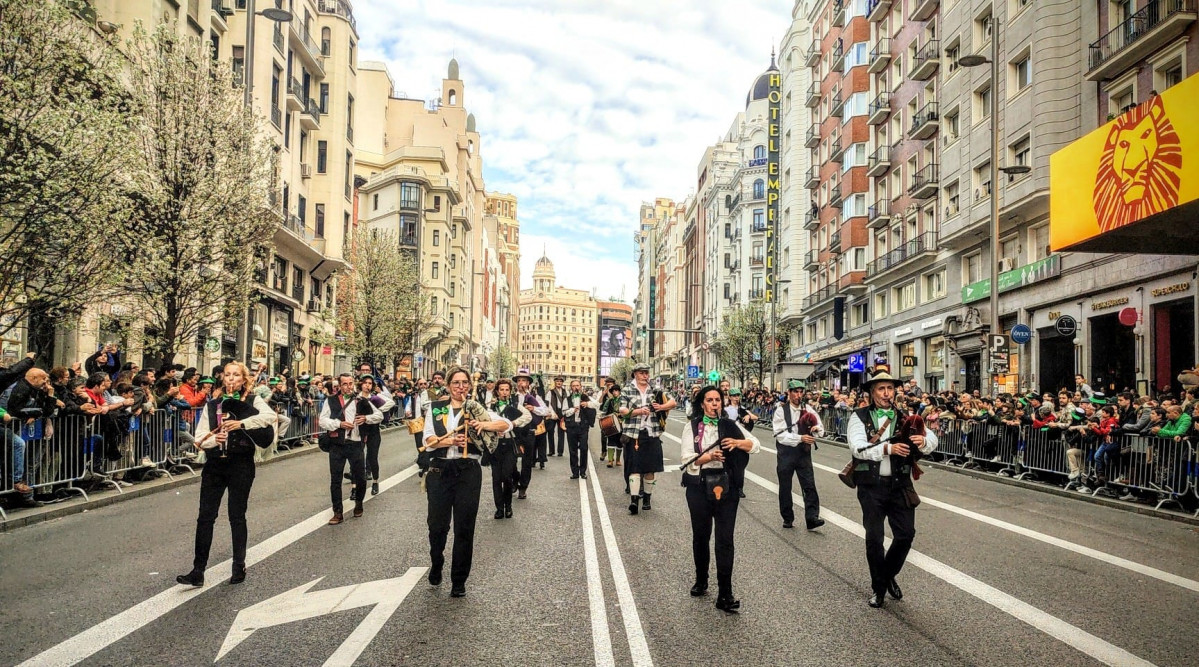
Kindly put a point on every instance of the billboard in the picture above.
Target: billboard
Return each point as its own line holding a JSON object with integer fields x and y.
{"x": 1131, "y": 185}
{"x": 616, "y": 343}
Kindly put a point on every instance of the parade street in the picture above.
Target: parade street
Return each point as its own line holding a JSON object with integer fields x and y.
{"x": 998, "y": 575}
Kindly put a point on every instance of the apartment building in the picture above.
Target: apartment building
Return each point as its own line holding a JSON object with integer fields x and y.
{"x": 558, "y": 328}
{"x": 798, "y": 135}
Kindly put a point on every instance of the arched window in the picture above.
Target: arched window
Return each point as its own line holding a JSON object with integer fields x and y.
{"x": 453, "y": 97}
{"x": 326, "y": 41}
{"x": 759, "y": 152}
{"x": 759, "y": 189}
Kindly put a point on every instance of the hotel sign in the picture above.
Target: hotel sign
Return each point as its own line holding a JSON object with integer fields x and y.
{"x": 773, "y": 125}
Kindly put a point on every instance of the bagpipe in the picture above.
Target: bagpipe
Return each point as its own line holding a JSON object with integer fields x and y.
{"x": 484, "y": 440}
{"x": 906, "y": 426}
{"x": 243, "y": 439}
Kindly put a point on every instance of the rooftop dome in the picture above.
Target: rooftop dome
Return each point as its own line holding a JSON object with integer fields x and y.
{"x": 453, "y": 69}
{"x": 470, "y": 123}
{"x": 761, "y": 88}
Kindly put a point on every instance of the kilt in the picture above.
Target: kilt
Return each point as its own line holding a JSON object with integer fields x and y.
{"x": 643, "y": 455}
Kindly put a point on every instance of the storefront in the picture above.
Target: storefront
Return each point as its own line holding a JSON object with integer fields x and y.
{"x": 934, "y": 370}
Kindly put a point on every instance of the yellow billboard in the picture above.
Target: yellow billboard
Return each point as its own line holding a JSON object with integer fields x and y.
{"x": 1131, "y": 185}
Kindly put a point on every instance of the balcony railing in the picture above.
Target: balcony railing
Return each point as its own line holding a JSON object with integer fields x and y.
{"x": 926, "y": 121}
{"x": 755, "y": 294}
{"x": 813, "y": 99}
{"x": 811, "y": 220}
{"x": 879, "y": 214}
{"x": 811, "y": 259}
{"x": 1142, "y": 33}
{"x": 925, "y": 182}
{"x": 340, "y": 7}
{"x": 277, "y": 40}
{"x": 277, "y": 117}
{"x": 876, "y": 10}
{"x": 821, "y": 295}
{"x": 879, "y": 161}
{"x": 838, "y": 105}
{"x": 834, "y": 243}
{"x": 835, "y": 153}
{"x": 812, "y": 138}
{"x": 812, "y": 56}
{"x": 310, "y": 44}
{"x": 757, "y": 261}
{"x": 295, "y": 93}
{"x": 408, "y": 240}
{"x": 838, "y": 13}
{"x": 880, "y": 56}
{"x": 313, "y": 112}
{"x": 834, "y": 194}
{"x": 928, "y": 59}
{"x": 838, "y": 63}
{"x": 880, "y": 109}
{"x": 924, "y": 9}
{"x": 813, "y": 178}
{"x": 925, "y": 243}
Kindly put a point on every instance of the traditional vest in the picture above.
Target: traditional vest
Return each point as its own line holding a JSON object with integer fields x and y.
{"x": 531, "y": 401}
{"x": 511, "y": 412}
{"x": 440, "y": 429}
{"x": 867, "y": 472}
{"x": 735, "y": 460}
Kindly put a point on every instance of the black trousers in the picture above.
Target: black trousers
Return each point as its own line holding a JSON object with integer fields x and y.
{"x": 797, "y": 461}
{"x": 556, "y": 434}
{"x": 372, "y": 437}
{"x": 235, "y": 473}
{"x": 338, "y": 456}
{"x": 543, "y": 440}
{"x": 453, "y": 488}
{"x": 532, "y": 445}
{"x": 704, "y": 514}
{"x": 885, "y": 500}
{"x": 576, "y": 437}
{"x": 504, "y": 475}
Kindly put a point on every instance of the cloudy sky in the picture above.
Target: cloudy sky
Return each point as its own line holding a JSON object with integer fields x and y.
{"x": 586, "y": 108}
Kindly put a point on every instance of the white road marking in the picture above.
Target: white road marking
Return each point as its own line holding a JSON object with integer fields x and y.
{"x": 298, "y": 604}
{"x": 1053, "y": 626}
{"x": 638, "y": 647}
{"x": 1102, "y": 556}
{"x": 601, "y": 638}
{"x": 104, "y": 634}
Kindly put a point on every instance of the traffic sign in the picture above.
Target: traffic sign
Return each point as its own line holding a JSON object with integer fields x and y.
{"x": 1066, "y": 325}
{"x": 1021, "y": 334}
{"x": 998, "y": 343}
{"x": 693, "y": 372}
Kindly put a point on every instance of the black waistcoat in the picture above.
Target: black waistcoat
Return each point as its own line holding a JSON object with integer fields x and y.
{"x": 735, "y": 460}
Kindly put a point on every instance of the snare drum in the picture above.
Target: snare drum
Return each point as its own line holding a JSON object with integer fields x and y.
{"x": 609, "y": 426}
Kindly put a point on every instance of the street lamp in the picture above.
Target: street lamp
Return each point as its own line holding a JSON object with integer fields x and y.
{"x": 271, "y": 14}
{"x": 977, "y": 60}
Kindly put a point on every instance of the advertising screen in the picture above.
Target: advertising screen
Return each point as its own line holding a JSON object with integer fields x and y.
{"x": 615, "y": 344}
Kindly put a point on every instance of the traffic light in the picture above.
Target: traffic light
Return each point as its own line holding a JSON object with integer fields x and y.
{"x": 714, "y": 377}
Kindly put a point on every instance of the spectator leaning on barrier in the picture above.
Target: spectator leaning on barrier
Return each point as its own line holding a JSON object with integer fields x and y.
{"x": 14, "y": 443}
{"x": 1177, "y": 426}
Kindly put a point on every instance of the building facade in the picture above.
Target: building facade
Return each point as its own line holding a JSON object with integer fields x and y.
{"x": 614, "y": 335}
{"x": 557, "y": 328}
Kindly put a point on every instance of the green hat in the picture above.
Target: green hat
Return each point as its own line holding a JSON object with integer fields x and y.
{"x": 1099, "y": 398}
{"x": 734, "y": 391}
{"x": 273, "y": 381}
{"x": 207, "y": 380}
{"x": 795, "y": 384}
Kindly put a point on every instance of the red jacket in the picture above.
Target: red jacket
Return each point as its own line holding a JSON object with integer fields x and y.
{"x": 193, "y": 397}
{"x": 1106, "y": 425}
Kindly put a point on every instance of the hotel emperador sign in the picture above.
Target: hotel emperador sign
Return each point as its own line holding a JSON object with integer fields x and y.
{"x": 772, "y": 183}
{"x": 1131, "y": 185}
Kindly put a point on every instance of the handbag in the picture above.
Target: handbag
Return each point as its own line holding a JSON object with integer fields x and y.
{"x": 846, "y": 474}
{"x": 912, "y": 498}
{"x": 716, "y": 483}
{"x": 327, "y": 440}
{"x": 416, "y": 425}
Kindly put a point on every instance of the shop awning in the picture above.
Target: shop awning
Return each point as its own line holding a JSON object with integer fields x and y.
{"x": 822, "y": 368}
{"x": 1131, "y": 185}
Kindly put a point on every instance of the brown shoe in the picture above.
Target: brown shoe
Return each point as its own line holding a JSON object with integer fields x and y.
{"x": 358, "y": 510}
{"x": 22, "y": 488}
{"x": 335, "y": 519}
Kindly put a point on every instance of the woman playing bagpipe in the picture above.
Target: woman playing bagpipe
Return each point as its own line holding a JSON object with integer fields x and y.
{"x": 886, "y": 443}
{"x": 230, "y": 429}
{"x": 717, "y": 451}
{"x": 504, "y": 475}
{"x": 457, "y": 432}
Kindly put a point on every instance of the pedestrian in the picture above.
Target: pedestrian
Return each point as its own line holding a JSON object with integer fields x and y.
{"x": 504, "y": 474}
{"x": 711, "y": 479}
{"x": 420, "y": 405}
{"x": 883, "y": 477}
{"x": 230, "y": 429}
{"x": 372, "y": 433}
{"x": 795, "y": 428}
{"x": 533, "y": 433}
{"x": 644, "y": 410}
{"x": 577, "y": 414}
{"x": 340, "y": 419}
{"x": 455, "y": 433}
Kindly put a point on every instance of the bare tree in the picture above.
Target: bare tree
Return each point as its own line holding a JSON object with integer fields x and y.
{"x": 64, "y": 140}
{"x": 743, "y": 343}
{"x": 383, "y": 298}
{"x": 201, "y": 187}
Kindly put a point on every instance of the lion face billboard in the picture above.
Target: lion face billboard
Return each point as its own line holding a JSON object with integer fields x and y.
{"x": 1140, "y": 170}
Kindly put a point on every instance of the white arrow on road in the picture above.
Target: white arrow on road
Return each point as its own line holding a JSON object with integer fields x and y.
{"x": 298, "y": 604}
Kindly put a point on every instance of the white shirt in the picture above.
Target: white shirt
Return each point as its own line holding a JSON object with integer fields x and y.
{"x": 707, "y": 439}
{"x": 790, "y": 437}
{"x": 327, "y": 423}
{"x": 858, "y": 440}
{"x": 453, "y": 417}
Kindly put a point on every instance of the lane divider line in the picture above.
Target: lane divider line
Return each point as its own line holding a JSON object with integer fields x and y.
{"x": 108, "y": 632}
{"x": 633, "y": 630}
{"x": 1053, "y": 626}
{"x": 600, "y": 637}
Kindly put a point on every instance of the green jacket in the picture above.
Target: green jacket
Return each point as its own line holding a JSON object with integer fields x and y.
{"x": 1181, "y": 426}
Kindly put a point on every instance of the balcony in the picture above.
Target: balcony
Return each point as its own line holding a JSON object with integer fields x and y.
{"x": 928, "y": 59}
{"x": 879, "y": 215}
{"x": 880, "y": 56}
{"x": 340, "y": 8}
{"x": 922, "y": 10}
{"x": 408, "y": 240}
{"x": 277, "y": 117}
{"x": 1143, "y": 33}
{"x": 838, "y": 13}
{"x": 812, "y": 138}
{"x": 835, "y": 153}
{"x": 925, "y": 182}
{"x": 813, "y": 178}
{"x": 823, "y": 294}
{"x": 757, "y": 261}
{"x": 879, "y": 161}
{"x": 838, "y": 63}
{"x": 876, "y": 10}
{"x": 755, "y": 294}
{"x": 851, "y": 283}
{"x": 305, "y": 47}
{"x": 812, "y": 57}
{"x": 311, "y": 118}
{"x": 834, "y": 195}
{"x": 834, "y": 243}
{"x": 277, "y": 39}
{"x": 812, "y": 259}
{"x": 757, "y": 227}
{"x": 838, "y": 105}
{"x": 298, "y": 242}
{"x": 926, "y": 122}
{"x": 813, "y": 99}
{"x": 880, "y": 109}
{"x": 295, "y": 94}
{"x": 219, "y": 14}
{"x": 924, "y": 244}
{"x": 811, "y": 221}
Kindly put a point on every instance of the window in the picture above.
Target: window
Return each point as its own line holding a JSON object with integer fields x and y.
{"x": 880, "y": 305}
{"x": 452, "y": 287}
{"x": 352, "y": 61}
{"x": 982, "y": 181}
{"x": 1038, "y": 243}
{"x": 349, "y": 172}
{"x": 409, "y": 195}
{"x": 982, "y": 30}
{"x": 322, "y": 156}
{"x": 436, "y": 237}
{"x": 375, "y": 202}
{"x": 350, "y": 117}
{"x": 857, "y": 104}
{"x": 950, "y": 121}
{"x": 972, "y": 268}
{"x": 854, "y": 205}
{"x": 855, "y": 55}
{"x": 326, "y": 41}
{"x": 759, "y": 220}
{"x": 759, "y": 152}
{"x": 436, "y": 270}
{"x": 759, "y": 189}
{"x": 854, "y": 156}
{"x": 318, "y": 214}
{"x": 952, "y": 203}
{"x": 297, "y": 284}
{"x": 934, "y": 285}
{"x": 276, "y": 75}
{"x": 1009, "y": 249}
{"x": 982, "y": 102}
{"x": 239, "y": 64}
{"x": 859, "y": 315}
{"x": 952, "y": 53}
{"x": 1022, "y": 73}
{"x": 1022, "y": 153}
{"x": 279, "y": 274}
{"x": 324, "y": 101}
{"x": 905, "y": 297}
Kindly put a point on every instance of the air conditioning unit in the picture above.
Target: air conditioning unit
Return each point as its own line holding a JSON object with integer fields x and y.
{"x": 1006, "y": 264}
{"x": 314, "y": 306}
{"x": 305, "y": 170}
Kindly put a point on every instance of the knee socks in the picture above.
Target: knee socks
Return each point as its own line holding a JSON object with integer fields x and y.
{"x": 634, "y": 485}
{"x": 648, "y": 486}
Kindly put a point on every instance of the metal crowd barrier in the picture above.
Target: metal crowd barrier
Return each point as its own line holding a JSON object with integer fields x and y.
{"x": 1142, "y": 467}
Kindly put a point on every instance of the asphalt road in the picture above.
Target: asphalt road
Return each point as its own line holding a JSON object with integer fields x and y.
{"x": 999, "y": 575}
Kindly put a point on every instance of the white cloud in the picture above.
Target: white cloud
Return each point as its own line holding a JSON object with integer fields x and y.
{"x": 586, "y": 108}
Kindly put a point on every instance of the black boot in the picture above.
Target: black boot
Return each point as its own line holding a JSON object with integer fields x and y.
{"x": 239, "y": 573}
{"x": 634, "y": 504}
{"x": 508, "y": 511}
{"x": 193, "y": 578}
{"x": 375, "y": 488}
{"x": 645, "y": 502}
{"x": 700, "y": 588}
{"x": 499, "y": 513}
{"x": 726, "y": 602}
